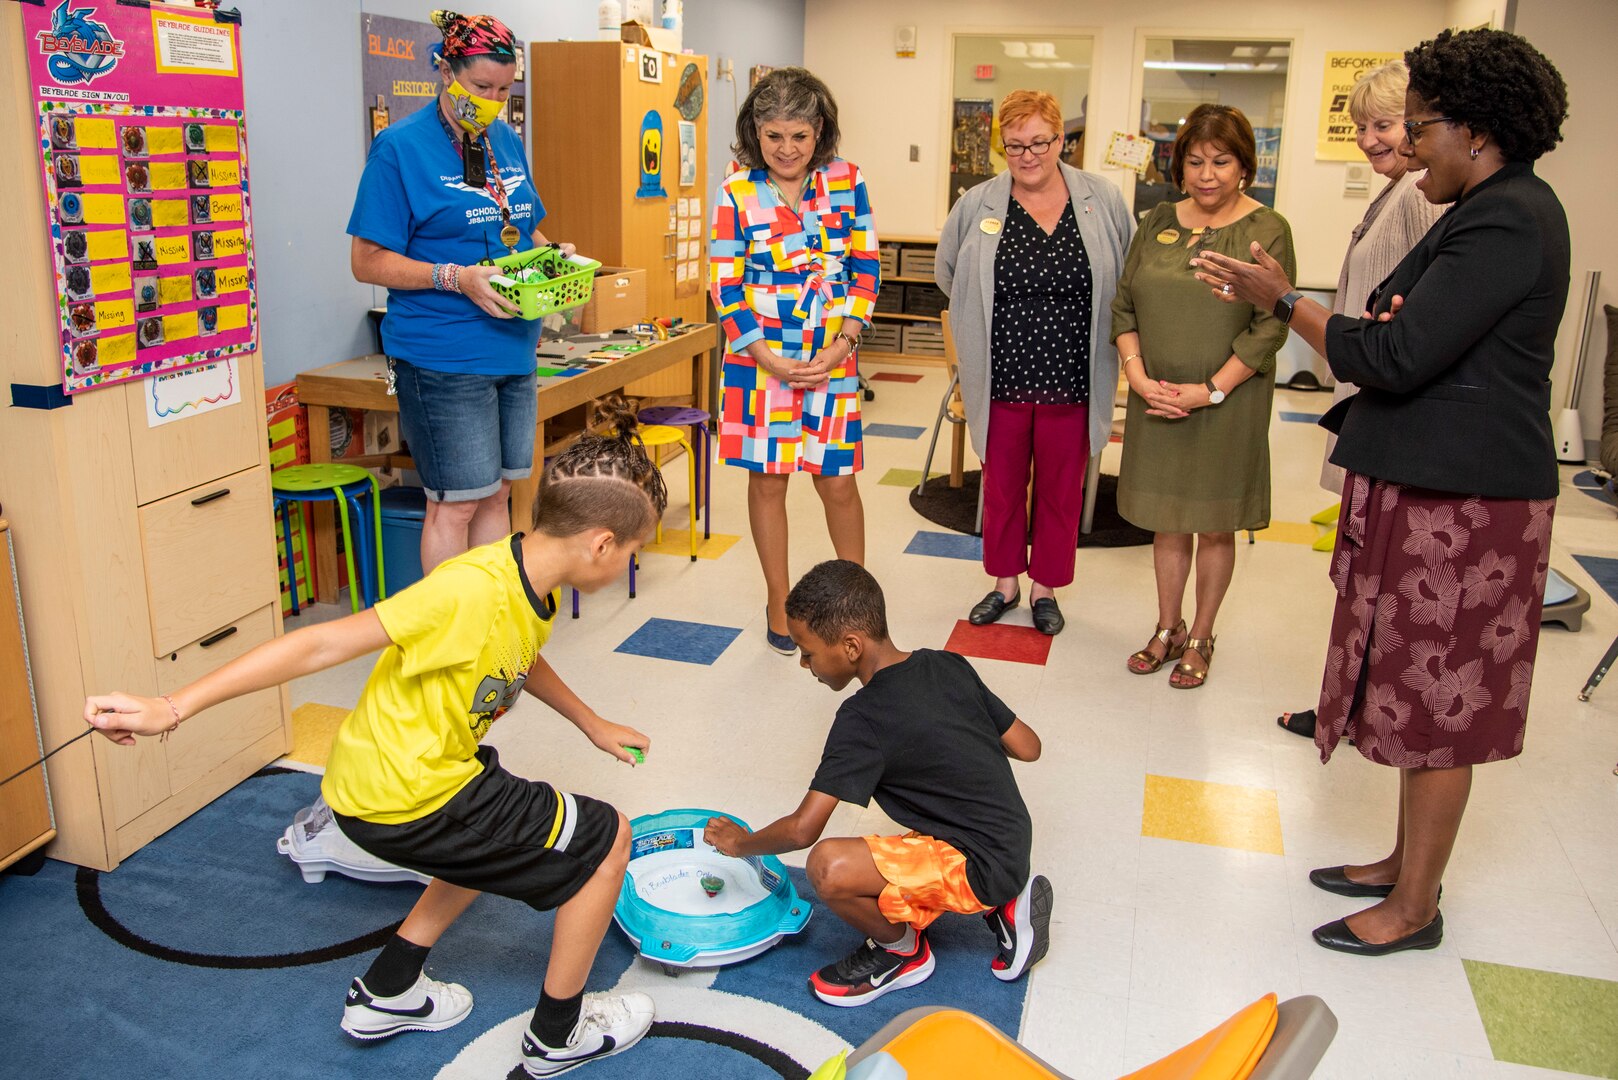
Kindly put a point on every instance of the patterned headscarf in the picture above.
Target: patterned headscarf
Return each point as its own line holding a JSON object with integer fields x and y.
{"x": 475, "y": 35}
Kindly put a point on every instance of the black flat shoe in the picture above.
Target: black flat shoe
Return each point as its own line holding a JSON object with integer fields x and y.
{"x": 991, "y": 607}
{"x": 1333, "y": 880}
{"x": 1048, "y": 617}
{"x": 1337, "y": 936}
{"x": 1299, "y": 723}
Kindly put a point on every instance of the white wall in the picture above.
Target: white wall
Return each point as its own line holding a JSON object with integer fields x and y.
{"x": 888, "y": 104}
{"x": 1577, "y": 36}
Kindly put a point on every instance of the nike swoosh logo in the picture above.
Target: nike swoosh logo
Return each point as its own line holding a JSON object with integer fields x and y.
{"x": 878, "y": 980}
{"x": 1005, "y": 939}
{"x": 422, "y": 1010}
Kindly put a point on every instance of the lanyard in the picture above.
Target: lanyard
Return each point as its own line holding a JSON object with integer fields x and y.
{"x": 509, "y": 233}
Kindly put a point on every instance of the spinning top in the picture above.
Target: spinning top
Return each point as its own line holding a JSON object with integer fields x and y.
{"x": 712, "y": 884}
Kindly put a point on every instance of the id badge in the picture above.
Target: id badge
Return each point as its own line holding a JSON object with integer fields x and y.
{"x": 474, "y": 166}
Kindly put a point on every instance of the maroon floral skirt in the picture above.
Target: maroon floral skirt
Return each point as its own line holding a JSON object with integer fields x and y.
{"x": 1436, "y": 625}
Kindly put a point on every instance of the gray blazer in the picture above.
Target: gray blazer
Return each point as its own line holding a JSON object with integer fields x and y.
{"x": 965, "y": 270}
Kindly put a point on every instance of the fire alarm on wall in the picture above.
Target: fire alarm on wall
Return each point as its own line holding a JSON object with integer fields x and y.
{"x": 904, "y": 42}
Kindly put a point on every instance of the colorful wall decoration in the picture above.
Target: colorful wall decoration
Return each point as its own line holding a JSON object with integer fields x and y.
{"x": 144, "y": 151}
{"x": 397, "y": 75}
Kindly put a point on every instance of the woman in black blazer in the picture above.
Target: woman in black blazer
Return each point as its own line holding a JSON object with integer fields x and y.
{"x": 1444, "y": 535}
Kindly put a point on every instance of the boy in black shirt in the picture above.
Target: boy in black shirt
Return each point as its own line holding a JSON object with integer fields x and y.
{"x": 930, "y": 743}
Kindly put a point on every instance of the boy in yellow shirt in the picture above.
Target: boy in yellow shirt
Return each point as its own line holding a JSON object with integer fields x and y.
{"x": 408, "y": 781}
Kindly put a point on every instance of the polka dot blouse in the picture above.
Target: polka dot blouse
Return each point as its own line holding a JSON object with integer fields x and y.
{"x": 1039, "y": 346}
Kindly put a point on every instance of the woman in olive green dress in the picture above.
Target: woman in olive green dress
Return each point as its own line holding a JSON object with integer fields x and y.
{"x": 1196, "y": 463}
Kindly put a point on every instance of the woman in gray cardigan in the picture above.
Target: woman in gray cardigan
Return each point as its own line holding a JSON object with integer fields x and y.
{"x": 1030, "y": 261}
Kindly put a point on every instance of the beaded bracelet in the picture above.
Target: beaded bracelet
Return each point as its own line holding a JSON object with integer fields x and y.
{"x": 163, "y": 736}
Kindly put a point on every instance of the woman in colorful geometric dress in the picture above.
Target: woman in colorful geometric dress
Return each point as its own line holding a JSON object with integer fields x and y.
{"x": 1444, "y": 535}
{"x": 794, "y": 272}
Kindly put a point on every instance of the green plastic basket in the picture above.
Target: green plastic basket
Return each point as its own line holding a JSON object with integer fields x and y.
{"x": 570, "y": 287}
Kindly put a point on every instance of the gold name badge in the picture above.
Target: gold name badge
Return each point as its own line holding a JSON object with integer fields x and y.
{"x": 1168, "y": 236}
{"x": 990, "y": 225}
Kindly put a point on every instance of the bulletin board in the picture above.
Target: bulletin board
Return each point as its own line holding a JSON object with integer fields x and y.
{"x": 144, "y": 154}
{"x": 397, "y": 74}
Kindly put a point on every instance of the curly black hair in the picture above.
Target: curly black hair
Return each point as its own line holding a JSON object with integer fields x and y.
{"x": 839, "y": 597}
{"x": 1495, "y": 82}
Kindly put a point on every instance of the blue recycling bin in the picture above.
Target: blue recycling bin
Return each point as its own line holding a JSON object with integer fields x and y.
{"x": 404, "y": 509}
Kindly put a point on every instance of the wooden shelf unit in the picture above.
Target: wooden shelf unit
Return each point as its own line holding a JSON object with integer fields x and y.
{"x": 901, "y": 318}
{"x": 145, "y": 555}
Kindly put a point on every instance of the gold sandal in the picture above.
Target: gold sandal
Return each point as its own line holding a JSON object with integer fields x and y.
{"x": 1185, "y": 673}
{"x": 1166, "y": 635}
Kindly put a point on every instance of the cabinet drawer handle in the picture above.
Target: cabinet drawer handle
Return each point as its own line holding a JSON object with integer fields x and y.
{"x": 208, "y": 642}
{"x": 210, "y": 497}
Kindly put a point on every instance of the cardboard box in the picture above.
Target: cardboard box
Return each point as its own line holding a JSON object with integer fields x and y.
{"x": 618, "y": 299}
{"x": 652, "y": 37}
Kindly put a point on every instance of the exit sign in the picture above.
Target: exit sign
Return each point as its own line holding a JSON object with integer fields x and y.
{"x": 983, "y": 72}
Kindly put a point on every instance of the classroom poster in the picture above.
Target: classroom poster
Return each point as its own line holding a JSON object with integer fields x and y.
{"x": 397, "y": 74}
{"x": 144, "y": 156}
{"x": 1335, "y": 140}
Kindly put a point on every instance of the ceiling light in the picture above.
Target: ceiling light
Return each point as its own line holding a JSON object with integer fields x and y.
{"x": 1036, "y": 63}
{"x": 1017, "y": 50}
{"x": 1044, "y": 50}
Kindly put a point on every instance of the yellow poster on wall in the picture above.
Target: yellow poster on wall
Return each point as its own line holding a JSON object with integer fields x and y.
{"x": 1335, "y": 141}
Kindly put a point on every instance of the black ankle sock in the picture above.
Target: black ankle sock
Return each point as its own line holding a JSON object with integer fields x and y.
{"x": 396, "y": 967}
{"x": 555, "y": 1018}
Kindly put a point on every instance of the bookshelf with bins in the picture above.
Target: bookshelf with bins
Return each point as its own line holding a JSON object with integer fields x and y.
{"x": 908, "y": 321}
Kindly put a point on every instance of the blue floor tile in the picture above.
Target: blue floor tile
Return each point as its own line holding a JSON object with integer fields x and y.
{"x": 1301, "y": 417}
{"x": 947, "y": 545}
{"x": 672, "y": 639}
{"x": 892, "y": 431}
{"x": 1605, "y": 571}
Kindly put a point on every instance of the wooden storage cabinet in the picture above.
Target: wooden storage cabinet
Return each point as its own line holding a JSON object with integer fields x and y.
{"x": 25, "y": 813}
{"x": 122, "y": 579}
{"x": 906, "y": 324}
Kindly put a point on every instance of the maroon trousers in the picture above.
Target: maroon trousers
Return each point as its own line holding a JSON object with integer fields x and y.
{"x": 1055, "y": 440}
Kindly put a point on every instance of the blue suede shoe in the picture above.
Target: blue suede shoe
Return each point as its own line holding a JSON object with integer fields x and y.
{"x": 781, "y": 643}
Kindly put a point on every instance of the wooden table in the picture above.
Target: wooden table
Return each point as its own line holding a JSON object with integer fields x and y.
{"x": 362, "y": 384}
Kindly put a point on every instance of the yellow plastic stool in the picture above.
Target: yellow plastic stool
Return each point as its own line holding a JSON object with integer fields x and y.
{"x": 662, "y": 435}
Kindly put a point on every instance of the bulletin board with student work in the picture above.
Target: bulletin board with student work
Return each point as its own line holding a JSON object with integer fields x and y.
{"x": 143, "y": 144}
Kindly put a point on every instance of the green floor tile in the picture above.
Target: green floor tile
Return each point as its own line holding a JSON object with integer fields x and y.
{"x": 906, "y": 478}
{"x": 1547, "y": 1020}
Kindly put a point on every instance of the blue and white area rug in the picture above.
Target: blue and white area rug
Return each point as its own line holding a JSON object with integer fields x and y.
{"x": 206, "y": 954}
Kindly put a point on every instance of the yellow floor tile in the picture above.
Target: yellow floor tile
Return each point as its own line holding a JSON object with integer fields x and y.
{"x": 678, "y": 542}
{"x": 313, "y": 728}
{"x": 1289, "y": 532}
{"x": 1222, "y": 815}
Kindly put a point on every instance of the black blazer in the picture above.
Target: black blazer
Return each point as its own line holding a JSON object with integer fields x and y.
{"x": 1455, "y": 391}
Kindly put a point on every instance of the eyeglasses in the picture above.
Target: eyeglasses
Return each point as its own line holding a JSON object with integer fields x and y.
{"x": 1413, "y": 127}
{"x": 1037, "y": 148}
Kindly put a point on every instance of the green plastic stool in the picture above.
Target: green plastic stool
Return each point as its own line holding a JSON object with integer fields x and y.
{"x": 329, "y": 482}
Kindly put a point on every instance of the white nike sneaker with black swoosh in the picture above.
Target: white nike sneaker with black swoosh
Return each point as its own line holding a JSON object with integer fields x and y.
{"x": 429, "y": 1005}
{"x": 871, "y": 971}
{"x": 1022, "y": 927}
{"x": 608, "y": 1024}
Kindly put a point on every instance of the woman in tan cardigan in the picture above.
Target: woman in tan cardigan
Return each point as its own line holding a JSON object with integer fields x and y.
{"x": 1396, "y": 219}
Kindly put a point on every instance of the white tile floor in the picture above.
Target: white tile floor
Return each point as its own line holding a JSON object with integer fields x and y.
{"x": 1154, "y": 941}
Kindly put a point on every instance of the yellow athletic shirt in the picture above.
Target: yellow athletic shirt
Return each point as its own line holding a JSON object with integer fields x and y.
{"x": 464, "y": 638}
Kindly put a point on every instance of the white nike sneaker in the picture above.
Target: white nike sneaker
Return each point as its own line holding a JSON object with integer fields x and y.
{"x": 607, "y": 1025}
{"x": 1022, "y": 926}
{"x": 429, "y": 1005}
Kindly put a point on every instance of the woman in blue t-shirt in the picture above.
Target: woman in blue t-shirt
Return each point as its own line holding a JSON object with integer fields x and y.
{"x": 443, "y": 190}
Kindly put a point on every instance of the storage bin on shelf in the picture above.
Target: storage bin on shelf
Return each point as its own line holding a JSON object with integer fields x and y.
{"x": 924, "y": 339}
{"x": 567, "y": 281}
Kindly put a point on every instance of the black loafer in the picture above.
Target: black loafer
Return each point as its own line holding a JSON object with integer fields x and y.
{"x": 1333, "y": 880}
{"x": 1048, "y": 617}
{"x": 1337, "y": 936}
{"x": 991, "y": 607}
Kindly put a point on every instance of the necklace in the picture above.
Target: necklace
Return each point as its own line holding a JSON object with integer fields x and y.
{"x": 510, "y": 235}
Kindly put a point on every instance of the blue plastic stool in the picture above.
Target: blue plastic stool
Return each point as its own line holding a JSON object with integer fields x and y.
{"x": 344, "y": 485}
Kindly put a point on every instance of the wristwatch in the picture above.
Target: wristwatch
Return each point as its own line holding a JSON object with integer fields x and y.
{"x": 1283, "y": 306}
{"x": 1215, "y": 395}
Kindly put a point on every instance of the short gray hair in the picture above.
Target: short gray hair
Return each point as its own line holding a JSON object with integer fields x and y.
{"x": 790, "y": 93}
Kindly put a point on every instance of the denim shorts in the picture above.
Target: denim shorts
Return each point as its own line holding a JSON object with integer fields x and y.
{"x": 467, "y": 433}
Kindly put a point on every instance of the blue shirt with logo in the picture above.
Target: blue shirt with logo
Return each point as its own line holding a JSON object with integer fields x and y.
{"x": 413, "y": 199}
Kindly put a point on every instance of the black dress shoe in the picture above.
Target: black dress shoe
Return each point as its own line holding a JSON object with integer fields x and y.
{"x": 1337, "y": 936}
{"x": 991, "y": 607}
{"x": 1333, "y": 880}
{"x": 1048, "y": 617}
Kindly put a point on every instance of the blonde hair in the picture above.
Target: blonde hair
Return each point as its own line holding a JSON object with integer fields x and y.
{"x": 1380, "y": 92}
{"x": 1021, "y": 105}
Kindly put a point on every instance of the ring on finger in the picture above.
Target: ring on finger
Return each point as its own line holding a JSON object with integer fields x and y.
{"x": 1225, "y": 288}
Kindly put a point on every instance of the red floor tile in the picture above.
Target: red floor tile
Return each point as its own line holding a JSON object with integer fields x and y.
{"x": 1019, "y": 644}
{"x": 894, "y": 376}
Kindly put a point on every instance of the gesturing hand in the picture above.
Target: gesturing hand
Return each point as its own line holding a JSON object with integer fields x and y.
{"x": 1261, "y": 282}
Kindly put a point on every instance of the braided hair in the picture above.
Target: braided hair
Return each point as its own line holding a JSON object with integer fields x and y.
{"x": 603, "y": 481}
